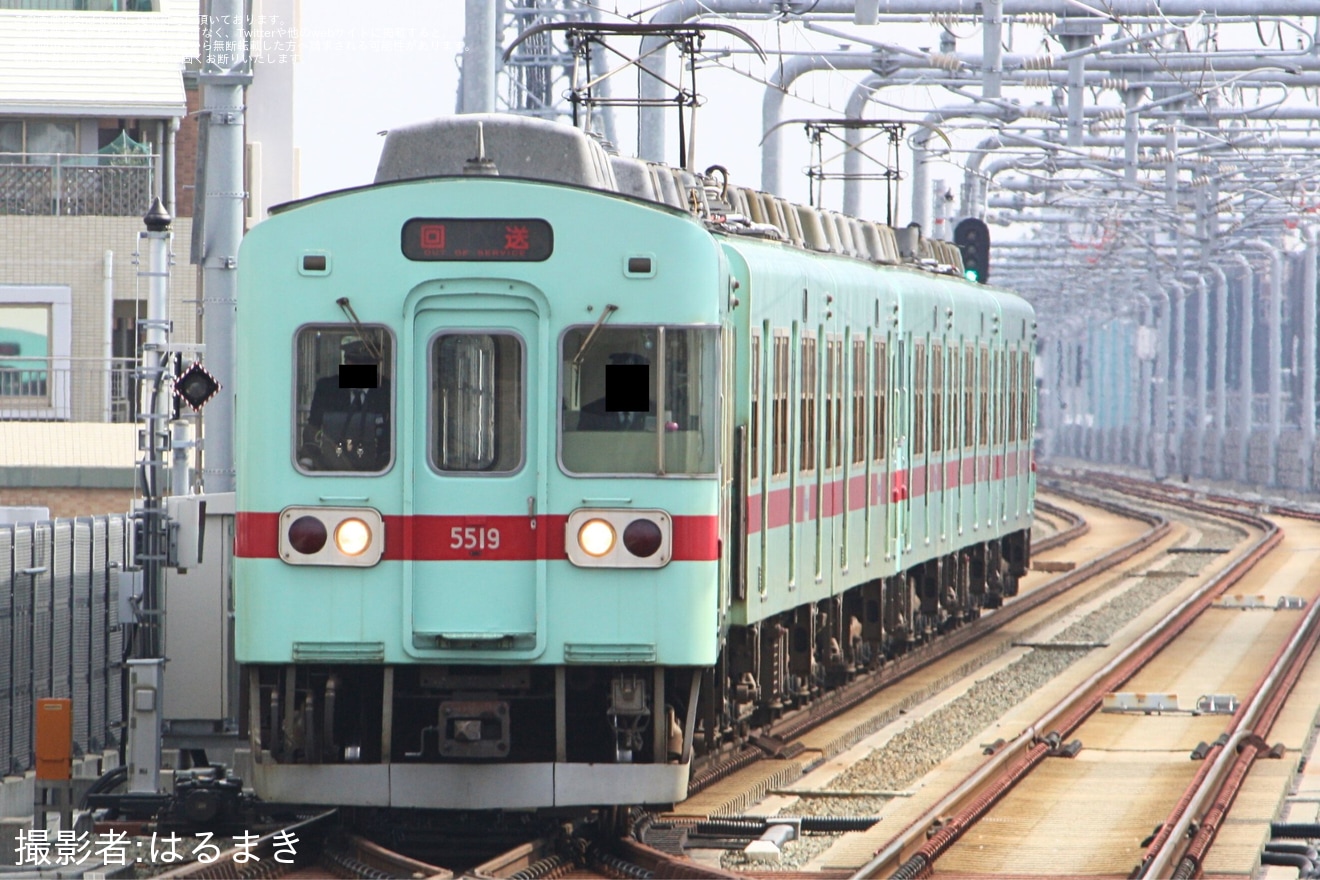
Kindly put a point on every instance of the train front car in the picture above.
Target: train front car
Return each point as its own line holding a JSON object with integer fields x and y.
{"x": 477, "y": 553}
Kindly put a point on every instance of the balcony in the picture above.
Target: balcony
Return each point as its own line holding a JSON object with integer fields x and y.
{"x": 68, "y": 389}
{"x": 75, "y": 185}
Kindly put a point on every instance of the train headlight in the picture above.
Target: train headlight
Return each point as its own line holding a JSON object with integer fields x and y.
{"x": 352, "y": 537}
{"x": 307, "y": 535}
{"x": 346, "y": 536}
{"x": 596, "y": 537}
{"x": 642, "y": 538}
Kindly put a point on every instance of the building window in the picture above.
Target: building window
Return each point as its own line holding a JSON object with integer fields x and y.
{"x": 24, "y": 350}
{"x": 38, "y": 139}
{"x": 36, "y": 375}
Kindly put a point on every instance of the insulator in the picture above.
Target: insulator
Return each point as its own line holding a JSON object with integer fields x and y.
{"x": 1038, "y": 111}
{"x": 1039, "y": 62}
{"x": 945, "y": 62}
{"x": 1036, "y": 81}
{"x": 946, "y": 20}
{"x": 1109, "y": 114}
{"x": 1114, "y": 83}
{"x": 1044, "y": 19}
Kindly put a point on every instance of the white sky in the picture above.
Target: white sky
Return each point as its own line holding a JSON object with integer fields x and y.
{"x": 401, "y": 66}
{"x": 392, "y": 62}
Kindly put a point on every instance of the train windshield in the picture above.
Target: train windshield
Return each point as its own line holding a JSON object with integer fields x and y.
{"x": 343, "y": 406}
{"x": 612, "y": 379}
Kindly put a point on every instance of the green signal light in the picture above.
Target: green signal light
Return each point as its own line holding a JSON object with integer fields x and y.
{"x": 970, "y": 275}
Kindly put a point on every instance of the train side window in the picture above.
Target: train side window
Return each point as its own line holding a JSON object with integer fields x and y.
{"x": 881, "y": 400}
{"x": 832, "y": 402}
{"x": 837, "y": 389}
{"x": 984, "y": 384}
{"x": 1011, "y": 416}
{"x": 859, "y": 400}
{"x": 969, "y": 383}
{"x": 999, "y": 398}
{"x": 779, "y": 415}
{"x": 343, "y": 402}
{"x": 1028, "y": 386}
{"x": 937, "y": 398}
{"x": 754, "y": 428}
{"x": 807, "y": 426}
{"x": 476, "y": 403}
{"x": 919, "y": 399}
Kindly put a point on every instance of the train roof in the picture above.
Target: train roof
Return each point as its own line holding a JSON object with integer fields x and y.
{"x": 543, "y": 151}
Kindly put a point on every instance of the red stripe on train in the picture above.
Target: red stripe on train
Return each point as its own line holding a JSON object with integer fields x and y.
{"x": 903, "y": 485}
{"x": 468, "y": 538}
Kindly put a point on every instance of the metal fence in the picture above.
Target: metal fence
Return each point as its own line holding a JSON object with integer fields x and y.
{"x": 68, "y": 389}
{"x": 59, "y": 630}
{"x": 65, "y": 184}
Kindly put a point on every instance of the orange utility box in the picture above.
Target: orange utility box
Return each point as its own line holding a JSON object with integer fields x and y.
{"x": 54, "y": 739}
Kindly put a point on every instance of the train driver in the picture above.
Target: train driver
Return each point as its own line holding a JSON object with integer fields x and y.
{"x": 627, "y": 402}
{"x": 348, "y": 427}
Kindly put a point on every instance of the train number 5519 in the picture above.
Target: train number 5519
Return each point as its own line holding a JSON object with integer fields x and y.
{"x": 473, "y": 538}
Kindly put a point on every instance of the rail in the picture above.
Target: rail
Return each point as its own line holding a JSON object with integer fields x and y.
{"x": 972, "y": 799}
{"x": 853, "y": 694}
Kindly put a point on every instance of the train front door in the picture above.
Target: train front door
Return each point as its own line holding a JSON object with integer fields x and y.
{"x": 476, "y": 478}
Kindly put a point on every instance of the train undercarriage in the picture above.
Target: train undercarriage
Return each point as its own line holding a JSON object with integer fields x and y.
{"x": 540, "y": 736}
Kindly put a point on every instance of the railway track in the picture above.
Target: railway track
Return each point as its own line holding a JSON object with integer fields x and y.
{"x": 1010, "y": 817}
{"x": 1201, "y": 524}
{"x": 834, "y": 704}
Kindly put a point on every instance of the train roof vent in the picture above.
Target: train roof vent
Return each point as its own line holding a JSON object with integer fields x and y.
{"x": 520, "y": 146}
{"x": 813, "y": 231}
{"x": 634, "y": 178}
{"x": 788, "y": 215}
{"x": 666, "y": 185}
{"x": 861, "y": 241}
{"x": 888, "y": 246}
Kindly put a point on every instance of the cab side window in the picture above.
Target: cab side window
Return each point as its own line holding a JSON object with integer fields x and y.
{"x": 343, "y": 399}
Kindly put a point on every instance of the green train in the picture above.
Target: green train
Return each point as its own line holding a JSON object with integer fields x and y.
{"x": 593, "y": 466}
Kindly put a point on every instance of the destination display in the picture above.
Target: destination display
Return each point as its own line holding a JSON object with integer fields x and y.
{"x": 477, "y": 240}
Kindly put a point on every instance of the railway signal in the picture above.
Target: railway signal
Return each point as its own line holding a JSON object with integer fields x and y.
{"x": 973, "y": 238}
{"x": 196, "y": 386}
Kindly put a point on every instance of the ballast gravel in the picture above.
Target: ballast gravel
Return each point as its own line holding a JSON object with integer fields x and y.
{"x": 914, "y": 751}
